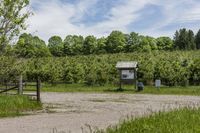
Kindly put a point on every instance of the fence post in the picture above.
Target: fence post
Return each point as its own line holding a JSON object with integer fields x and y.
{"x": 38, "y": 89}
{"x": 20, "y": 89}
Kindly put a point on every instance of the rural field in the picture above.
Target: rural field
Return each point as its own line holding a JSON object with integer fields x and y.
{"x": 99, "y": 66}
{"x": 82, "y": 112}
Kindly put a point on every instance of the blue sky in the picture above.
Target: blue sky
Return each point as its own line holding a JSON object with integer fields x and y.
{"x": 100, "y": 17}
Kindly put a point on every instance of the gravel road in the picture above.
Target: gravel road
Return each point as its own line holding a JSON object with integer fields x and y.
{"x": 73, "y": 112}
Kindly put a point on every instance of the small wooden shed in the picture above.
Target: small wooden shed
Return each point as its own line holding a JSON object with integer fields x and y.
{"x": 127, "y": 72}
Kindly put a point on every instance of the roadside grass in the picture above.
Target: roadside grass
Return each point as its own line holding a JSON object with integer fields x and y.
{"x": 185, "y": 120}
{"x": 11, "y": 106}
{"x": 190, "y": 90}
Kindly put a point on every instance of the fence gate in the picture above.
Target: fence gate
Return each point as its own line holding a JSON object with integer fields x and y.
{"x": 20, "y": 87}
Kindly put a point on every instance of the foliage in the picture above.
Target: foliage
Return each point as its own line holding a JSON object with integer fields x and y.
{"x": 89, "y": 45}
{"x": 30, "y": 46}
{"x": 197, "y": 40}
{"x": 173, "y": 68}
{"x": 15, "y": 105}
{"x": 184, "y": 40}
{"x": 101, "y": 46}
{"x": 115, "y": 42}
{"x": 56, "y": 46}
{"x": 73, "y": 45}
{"x": 185, "y": 120}
{"x": 164, "y": 43}
{"x": 12, "y": 20}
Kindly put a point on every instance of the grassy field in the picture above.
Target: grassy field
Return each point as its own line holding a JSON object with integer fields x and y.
{"x": 191, "y": 90}
{"x": 15, "y": 105}
{"x": 179, "y": 121}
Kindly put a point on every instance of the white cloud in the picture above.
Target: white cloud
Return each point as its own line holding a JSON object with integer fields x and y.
{"x": 53, "y": 17}
{"x": 56, "y": 18}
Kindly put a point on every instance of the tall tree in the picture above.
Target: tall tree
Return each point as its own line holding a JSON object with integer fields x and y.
{"x": 133, "y": 41}
{"x": 101, "y": 46}
{"x": 29, "y": 46}
{"x": 56, "y": 46}
{"x": 191, "y": 40}
{"x": 116, "y": 42}
{"x": 144, "y": 45}
{"x": 73, "y": 45}
{"x": 164, "y": 43}
{"x": 12, "y": 20}
{"x": 89, "y": 45}
{"x": 197, "y": 39}
{"x": 184, "y": 39}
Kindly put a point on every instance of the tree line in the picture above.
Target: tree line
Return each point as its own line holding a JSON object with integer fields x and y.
{"x": 13, "y": 15}
{"x": 117, "y": 42}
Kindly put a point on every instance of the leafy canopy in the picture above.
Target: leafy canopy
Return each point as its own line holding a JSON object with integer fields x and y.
{"x": 12, "y": 20}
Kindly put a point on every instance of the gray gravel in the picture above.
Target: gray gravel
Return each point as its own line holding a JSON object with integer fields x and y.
{"x": 73, "y": 112}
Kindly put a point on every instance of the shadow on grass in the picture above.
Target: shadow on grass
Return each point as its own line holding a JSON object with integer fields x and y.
{"x": 121, "y": 90}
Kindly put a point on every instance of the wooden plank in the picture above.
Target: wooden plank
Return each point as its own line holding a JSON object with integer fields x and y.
{"x": 38, "y": 89}
{"x": 20, "y": 85}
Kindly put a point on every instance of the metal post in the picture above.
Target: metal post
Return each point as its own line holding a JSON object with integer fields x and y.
{"x": 38, "y": 89}
{"x": 20, "y": 89}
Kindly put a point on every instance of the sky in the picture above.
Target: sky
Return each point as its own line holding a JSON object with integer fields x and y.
{"x": 100, "y": 17}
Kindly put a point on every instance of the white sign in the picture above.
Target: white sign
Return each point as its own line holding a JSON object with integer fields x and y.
{"x": 158, "y": 83}
{"x": 127, "y": 74}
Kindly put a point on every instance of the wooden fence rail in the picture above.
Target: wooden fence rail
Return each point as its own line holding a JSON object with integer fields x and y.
{"x": 22, "y": 88}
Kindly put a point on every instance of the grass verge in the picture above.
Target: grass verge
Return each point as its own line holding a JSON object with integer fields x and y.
{"x": 11, "y": 106}
{"x": 191, "y": 90}
{"x": 179, "y": 121}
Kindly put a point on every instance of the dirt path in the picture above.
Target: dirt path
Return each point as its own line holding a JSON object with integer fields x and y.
{"x": 70, "y": 112}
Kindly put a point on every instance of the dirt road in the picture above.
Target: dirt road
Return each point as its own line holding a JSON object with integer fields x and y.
{"x": 72, "y": 112}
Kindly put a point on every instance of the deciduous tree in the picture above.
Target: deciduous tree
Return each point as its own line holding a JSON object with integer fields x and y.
{"x": 31, "y": 46}
{"x": 12, "y": 20}
{"x": 56, "y": 46}
{"x": 116, "y": 42}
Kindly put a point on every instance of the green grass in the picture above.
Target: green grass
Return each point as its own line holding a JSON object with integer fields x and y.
{"x": 191, "y": 90}
{"x": 179, "y": 121}
{"x": 11, "y": 106}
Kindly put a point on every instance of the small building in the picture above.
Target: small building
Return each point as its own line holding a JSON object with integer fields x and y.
{"x": 127, "y": 72}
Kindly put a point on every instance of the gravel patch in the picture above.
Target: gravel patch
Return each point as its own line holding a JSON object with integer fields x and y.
{"x": 78, "y": 112}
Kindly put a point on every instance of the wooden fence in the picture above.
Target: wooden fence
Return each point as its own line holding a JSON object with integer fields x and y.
{"x": 30, "y": 89}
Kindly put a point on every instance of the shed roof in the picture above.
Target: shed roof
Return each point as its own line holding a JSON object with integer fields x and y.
{"x": 126, "y": 64}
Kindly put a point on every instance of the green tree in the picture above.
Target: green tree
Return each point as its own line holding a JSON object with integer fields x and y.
{"x": 184, "y": 39}
{"x": 164, "y": 43}
{"x": 181, "y": 39}
{"x": 31, "y": 46}
{"x": 12, "y": 20}
{"x": 101, "y": 46}
{"x": 197, "y": 39}
{"x": 89, "y": 45}
{"x": 152, "y": 42}
{"x": 116, "y": 42}
{"x": 191, "y": 40}
{"x": 56, "y": 46}
{"x": 133, "y": 41}
{"x": 73, "y": 45}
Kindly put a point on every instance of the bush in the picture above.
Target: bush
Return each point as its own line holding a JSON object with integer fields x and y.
{"x": 173, "y": 68}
